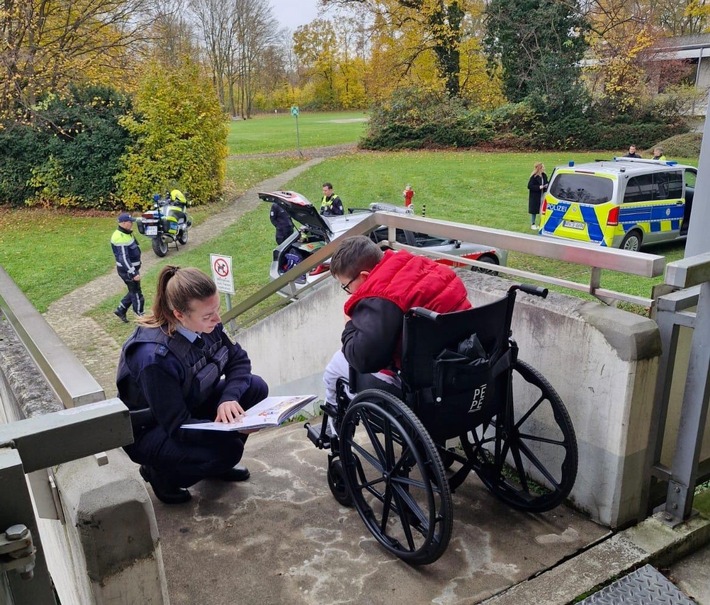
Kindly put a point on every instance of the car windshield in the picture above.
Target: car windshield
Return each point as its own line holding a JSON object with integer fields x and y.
{"x": 582, "y": 188}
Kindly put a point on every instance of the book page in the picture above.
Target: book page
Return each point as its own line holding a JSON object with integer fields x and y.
{"x": 272, "y": 411}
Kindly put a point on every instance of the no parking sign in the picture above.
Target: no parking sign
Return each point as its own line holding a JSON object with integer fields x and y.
{"x": 222, "y": 273}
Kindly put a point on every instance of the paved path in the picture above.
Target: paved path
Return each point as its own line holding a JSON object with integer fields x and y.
{"x": 97, "y": 349}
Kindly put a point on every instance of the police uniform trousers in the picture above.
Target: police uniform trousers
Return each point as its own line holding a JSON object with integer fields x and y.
{"x": 197, "y": 454}
{"x": 134, "y": 297}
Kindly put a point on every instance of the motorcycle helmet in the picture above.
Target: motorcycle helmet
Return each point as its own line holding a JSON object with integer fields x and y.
{"x": 156, "y": 197}
{"x": 177, "y": 196}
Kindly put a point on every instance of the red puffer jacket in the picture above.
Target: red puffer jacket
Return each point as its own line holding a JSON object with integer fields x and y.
{"x": 372, "y": 338}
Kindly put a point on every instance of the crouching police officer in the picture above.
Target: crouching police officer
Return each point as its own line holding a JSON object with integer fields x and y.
{"x": 179, "y": 367}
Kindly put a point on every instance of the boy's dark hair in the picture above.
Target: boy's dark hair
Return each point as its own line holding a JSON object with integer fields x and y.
{"x": 328, "y": 185}
{"x": 355, "y": 254}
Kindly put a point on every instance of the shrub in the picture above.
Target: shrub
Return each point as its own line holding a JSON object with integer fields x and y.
{"x": 84, "y": 143}
{"x": 19, "y": 146}
{"x": 681, "y": 145}
{"x": 415, "y": 120}
{"x": 68, "y": 152}
{"x": 180, "y": 137}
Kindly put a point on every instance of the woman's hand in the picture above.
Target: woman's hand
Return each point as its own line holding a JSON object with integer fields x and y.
{"x": 229, "y": 411}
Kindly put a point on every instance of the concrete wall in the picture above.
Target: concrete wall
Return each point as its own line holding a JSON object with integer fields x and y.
{"x": 602, "y": 361}
{"x": 107, "y": 550}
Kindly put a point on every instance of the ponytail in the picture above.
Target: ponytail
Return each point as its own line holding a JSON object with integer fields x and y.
{"x": 177, "y": 288}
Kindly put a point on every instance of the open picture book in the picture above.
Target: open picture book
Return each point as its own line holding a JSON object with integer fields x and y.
{"x": 272, "y": 411}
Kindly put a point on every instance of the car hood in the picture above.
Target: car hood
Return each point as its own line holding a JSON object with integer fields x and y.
{"x": 299, "y": 209}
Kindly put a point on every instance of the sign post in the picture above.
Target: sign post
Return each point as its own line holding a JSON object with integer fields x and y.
{"x": 294, "y": 113}
{"x": 223, "y": 278}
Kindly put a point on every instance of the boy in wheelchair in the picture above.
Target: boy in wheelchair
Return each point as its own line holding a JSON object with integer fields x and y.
{"x": 420, "y": 366}
{"x": 383, "y": 286}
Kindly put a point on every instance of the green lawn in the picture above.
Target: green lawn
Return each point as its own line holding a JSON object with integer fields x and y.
{"x": 267, "y": 134}
{"x": 49, "y": 253}
{"x": 487, "y": 189}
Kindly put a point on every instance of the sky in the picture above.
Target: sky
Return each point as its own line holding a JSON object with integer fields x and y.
{"x": 292, "y": 13}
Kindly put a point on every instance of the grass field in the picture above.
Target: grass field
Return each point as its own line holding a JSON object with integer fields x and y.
{"x": 49, "y": 253}
{"x": 268, "y": 134}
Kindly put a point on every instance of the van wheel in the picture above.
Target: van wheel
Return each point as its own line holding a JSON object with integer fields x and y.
{"x": 631, "y": 241}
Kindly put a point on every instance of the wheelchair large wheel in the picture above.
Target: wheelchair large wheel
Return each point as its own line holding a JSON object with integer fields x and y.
{"x": 526, "y": 454}
{"x": 396, "y": 478}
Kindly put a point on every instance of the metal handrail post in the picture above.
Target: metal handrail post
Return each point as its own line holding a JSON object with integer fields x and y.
{"x": 693, "y": 416}
{"x": 16, "y": 508}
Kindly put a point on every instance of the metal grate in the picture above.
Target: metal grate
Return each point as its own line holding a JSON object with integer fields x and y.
{"x": 642, "y": 587}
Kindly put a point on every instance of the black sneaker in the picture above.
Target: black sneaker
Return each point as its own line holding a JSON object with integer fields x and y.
{"x": 121, "y": 315}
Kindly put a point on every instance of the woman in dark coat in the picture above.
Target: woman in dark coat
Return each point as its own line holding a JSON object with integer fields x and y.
{"x": 537, "y": 185}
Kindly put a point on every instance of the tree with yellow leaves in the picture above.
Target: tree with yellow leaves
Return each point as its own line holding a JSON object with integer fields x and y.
{"x": 48, "y": 44}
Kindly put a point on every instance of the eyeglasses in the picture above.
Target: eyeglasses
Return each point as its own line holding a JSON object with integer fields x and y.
{"x": 346, "y": 287}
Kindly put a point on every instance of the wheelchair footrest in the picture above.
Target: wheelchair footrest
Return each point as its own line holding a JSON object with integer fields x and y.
{"x": 317, "y": 436}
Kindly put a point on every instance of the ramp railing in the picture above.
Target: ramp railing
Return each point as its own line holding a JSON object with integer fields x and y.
{"x": 594, "y": 257}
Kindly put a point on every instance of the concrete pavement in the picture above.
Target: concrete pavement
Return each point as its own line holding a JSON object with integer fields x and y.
{"x": 282, "y": 538}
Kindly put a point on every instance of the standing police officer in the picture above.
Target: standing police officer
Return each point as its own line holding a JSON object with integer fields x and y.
{"x": 281, "y": 220}
{"x": 331, "y": 204}
{"x": 128, "y": 263}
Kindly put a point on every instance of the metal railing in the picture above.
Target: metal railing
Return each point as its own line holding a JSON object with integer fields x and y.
{"x": 685, "y": 308}
{"x": 594, "y": 257}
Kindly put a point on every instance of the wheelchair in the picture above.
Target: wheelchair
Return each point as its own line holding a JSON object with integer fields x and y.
{"x": 389, "y": 448}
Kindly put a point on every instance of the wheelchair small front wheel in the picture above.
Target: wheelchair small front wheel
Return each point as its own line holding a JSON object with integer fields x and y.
{"x": 337, "y": 483}
{"x": 526, "y": 454}
{"x": 396, "y": 477}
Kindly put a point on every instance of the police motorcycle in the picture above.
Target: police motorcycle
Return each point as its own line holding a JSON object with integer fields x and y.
{"x": 166, "y": 222}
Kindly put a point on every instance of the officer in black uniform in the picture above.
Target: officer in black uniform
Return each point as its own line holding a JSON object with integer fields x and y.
{"x": 179, "y": 367}
{"x": 127, "y": 253}
{"x": 281, "y": 221}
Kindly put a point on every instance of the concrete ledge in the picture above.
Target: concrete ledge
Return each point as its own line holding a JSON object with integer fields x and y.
{"x": 648, "y": 542}
{"x": 110, "y": 533}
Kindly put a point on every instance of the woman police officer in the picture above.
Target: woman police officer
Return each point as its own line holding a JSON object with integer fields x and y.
{"x": 179, "y": 367}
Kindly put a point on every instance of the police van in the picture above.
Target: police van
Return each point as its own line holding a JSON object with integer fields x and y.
{"x": 622, "y": 203}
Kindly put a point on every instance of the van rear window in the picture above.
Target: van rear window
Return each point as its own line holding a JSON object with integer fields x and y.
{"x": 582, "y": 188}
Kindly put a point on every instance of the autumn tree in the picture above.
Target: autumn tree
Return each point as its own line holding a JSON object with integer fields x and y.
{"x": 538, "y": 45}
{"x": 49, "y": 43}
{"x": 239, "y": 37}
{"x": 439, "y": 25}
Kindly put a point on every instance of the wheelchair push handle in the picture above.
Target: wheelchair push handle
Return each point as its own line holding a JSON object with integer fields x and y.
{"x": 530, "y": 289}
{"x": 422, "y": 312}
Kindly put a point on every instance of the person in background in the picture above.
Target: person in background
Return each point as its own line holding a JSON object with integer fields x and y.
{"x": 127, "y": 253}
{"x": 658, "y": 154}
{"x": 408, "y": 195}
{"x": 179, "y": 367}
{"x": 331, "y": 204}
{"x": 632, "y": 152}
{"x": 537, "y": 185}
{"x": 281, "y": 221}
